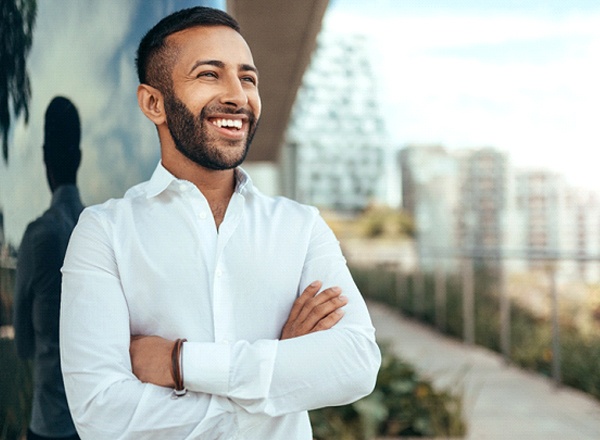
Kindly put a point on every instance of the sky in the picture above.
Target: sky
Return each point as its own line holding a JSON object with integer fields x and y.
{"x": 519, "y": 76}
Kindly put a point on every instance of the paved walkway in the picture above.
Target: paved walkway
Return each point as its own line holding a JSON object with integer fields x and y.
{"x": 501, "y": 402}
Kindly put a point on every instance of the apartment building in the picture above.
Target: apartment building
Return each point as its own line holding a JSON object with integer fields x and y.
{"x": 333, "y": 154}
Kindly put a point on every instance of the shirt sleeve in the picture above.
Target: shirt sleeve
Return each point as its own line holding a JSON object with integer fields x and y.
{"x": 267, "y": 377}
{"x": 325, "y": 368}
{"x": 106, "y": 400}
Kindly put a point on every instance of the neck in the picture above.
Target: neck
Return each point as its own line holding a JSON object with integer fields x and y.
{"x": 216, "y": 185}
{"x": 207, "y": 180}
{"x": 54, "y": 186}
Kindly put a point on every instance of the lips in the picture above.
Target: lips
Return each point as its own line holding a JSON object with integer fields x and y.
{"x": 234, "y": 128}
{"x": 228, "y": 123}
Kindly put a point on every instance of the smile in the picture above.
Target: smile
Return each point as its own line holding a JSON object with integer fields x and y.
{"x": 228, "y": 123}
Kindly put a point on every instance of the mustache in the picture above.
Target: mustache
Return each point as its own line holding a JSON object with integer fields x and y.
{"x": 207, "y": 111}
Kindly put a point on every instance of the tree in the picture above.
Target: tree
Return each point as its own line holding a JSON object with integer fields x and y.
{"x": 17, "y": 18}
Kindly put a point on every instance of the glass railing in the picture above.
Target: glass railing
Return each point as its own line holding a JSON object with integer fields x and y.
{"x": 540, "y": 310}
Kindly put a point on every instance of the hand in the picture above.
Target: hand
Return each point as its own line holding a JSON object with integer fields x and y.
{"x": 311, "y": 312}
{"x": 151, "y": 359}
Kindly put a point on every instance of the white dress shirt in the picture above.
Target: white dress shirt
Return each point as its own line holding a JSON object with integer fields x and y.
{"x": 154, "y": 263}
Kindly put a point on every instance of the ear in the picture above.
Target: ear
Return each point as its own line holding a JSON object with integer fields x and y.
{"x": 151, "y": 103}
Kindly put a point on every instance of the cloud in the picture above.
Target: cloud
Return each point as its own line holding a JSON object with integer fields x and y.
{"x": 518, "y": 80}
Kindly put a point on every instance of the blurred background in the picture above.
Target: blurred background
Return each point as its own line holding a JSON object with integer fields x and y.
{"x": 450, "y": 145}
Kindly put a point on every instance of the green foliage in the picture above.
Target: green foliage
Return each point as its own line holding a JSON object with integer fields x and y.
{"x": 531, "y": 337}
{"x": 580, "y": 361}
{"x": 16, "y": 36}
{"x": 401, "y": 405}
{"x": 16, "y": 384}
{"x": 377, "y": 222}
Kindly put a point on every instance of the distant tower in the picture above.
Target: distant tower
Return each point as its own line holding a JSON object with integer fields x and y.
{"x": 458, "y": 200}
{"x": 484, "y": 189}
{"x": 334, "y": 145}
{"x": 553, "y": 222}
{"x": 586, "y": 234}
{"x": 430, "y": 193}
{"x": 539, "y": 196}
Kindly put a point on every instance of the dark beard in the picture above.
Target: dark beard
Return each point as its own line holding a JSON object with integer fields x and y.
{"x": 191, "y": 137}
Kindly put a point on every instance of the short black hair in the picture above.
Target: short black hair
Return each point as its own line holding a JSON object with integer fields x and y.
{"x": 154, "y": 60}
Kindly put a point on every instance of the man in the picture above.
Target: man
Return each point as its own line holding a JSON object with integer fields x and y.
{"x": 197, "y": 253}
{"x": 38, "y": 279}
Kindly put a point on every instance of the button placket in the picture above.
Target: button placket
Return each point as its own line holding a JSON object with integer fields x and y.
{"x": 223, "y": 306}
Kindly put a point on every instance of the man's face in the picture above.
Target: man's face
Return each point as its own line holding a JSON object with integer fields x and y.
{"x": 213, "y": 106}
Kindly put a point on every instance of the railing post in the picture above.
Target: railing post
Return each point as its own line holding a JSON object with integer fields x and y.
{"x": 556, "y": 352}
{"x": 418, "y": 292}
{"x": 440, "y": 297}
{"x": 505, "y": 333}
{"x": 400, "y": 285}
{"x": 468, "y": 301}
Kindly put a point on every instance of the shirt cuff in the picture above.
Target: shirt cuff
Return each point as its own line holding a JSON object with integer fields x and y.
{"x": 206, "y": 367}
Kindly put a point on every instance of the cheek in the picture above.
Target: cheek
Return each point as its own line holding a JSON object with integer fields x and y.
{"x": 197, "y": 100}
{"x": 256, "y": 105}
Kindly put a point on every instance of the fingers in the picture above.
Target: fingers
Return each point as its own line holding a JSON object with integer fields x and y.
{"x": 320, "y": 307}
{"x": 329, "y": 321}
{"x": 313, "y": 312}
{"x": 311, "y": 290}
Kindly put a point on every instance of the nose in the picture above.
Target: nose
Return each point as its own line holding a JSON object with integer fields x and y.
{"x": 233, "y": 93}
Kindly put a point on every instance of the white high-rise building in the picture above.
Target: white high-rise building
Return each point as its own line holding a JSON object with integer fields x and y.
{"x": 540, "y": 202}
{"x": 559, "y": 221}
{"x": 461, "y": 203}
{"x": 473, "y": 202}
{"x": 483, "y": 201}
{"x": 333, "y": 154}
{"x": 430, "y": 193}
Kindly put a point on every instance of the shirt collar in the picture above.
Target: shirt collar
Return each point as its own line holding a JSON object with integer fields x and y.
{"x": 243, "y": 181}
{"x": 161, "y": 179}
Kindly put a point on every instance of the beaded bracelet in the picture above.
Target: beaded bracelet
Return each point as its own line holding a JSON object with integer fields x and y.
{"x": 176, "y": 369}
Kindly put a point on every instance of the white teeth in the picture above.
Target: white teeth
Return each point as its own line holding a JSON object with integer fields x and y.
{"x": 235, "y": 123}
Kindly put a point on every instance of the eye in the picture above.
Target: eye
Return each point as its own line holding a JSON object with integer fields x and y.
{"x": 207, "y": 74}
{"x": 250, "y": 79}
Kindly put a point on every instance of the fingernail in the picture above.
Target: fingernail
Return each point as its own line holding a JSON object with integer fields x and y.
{"x": 339, "y": 311}
{"x": 336, "y": 289}
{"x": 314, "y": 284}
{"x": 343, "y": 297}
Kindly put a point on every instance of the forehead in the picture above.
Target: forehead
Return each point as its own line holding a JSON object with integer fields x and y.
{"x": 220, "y": 43}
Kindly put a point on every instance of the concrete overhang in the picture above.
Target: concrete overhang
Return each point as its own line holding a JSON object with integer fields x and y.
{"x": 282, "y": 36}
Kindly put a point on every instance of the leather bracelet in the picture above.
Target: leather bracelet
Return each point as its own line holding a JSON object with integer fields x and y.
{"x": 176, "y": 369}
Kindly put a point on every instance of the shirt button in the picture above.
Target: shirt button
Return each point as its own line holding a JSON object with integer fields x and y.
{"x": 183, "y": 187}
{"x": 202, "y": 215}
{"x": 219, "y": 272}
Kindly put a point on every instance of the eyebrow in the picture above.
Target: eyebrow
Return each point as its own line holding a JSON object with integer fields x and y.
{"x": 221, "y": 65}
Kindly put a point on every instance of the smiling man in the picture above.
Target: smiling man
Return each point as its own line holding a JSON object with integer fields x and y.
{"x": 196, "y": 307}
